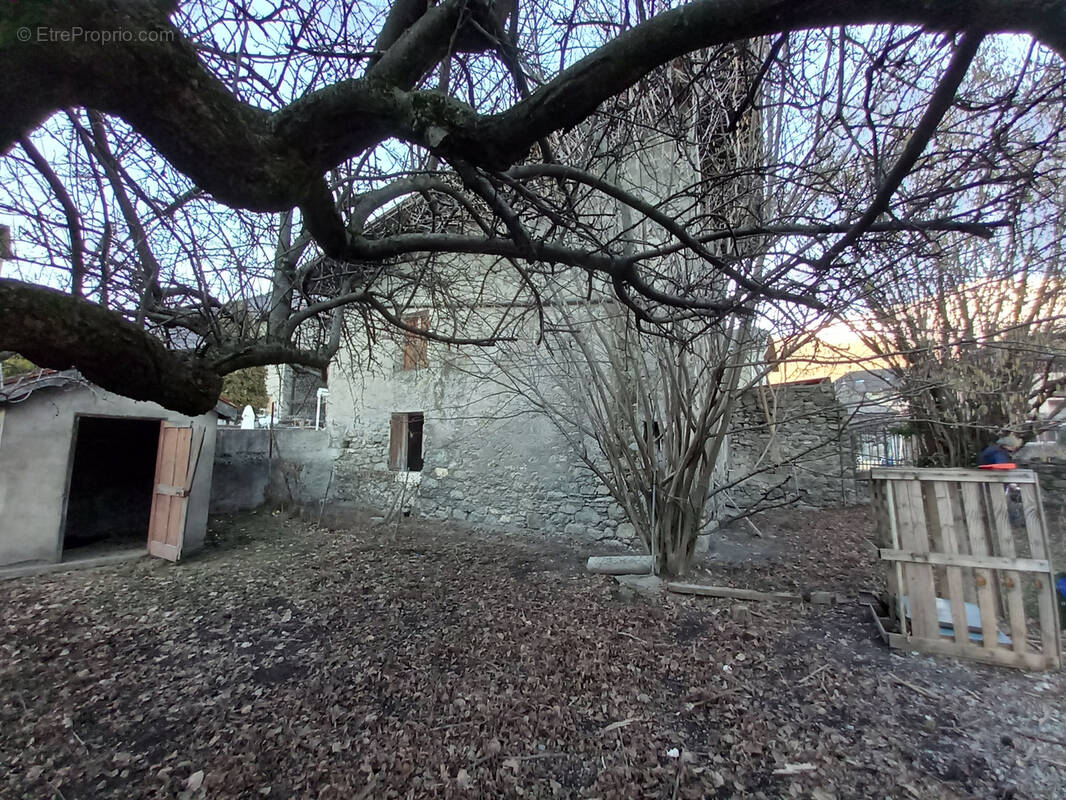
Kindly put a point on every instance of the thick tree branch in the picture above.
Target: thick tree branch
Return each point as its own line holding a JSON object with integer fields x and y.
{"x": 70, "y": 212}
{"x": 252, "y": 159}
{"x": 59, "y": 331}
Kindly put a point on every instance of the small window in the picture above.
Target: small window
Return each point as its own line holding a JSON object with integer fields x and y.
{"x": 405, "y": 442}
{"x": 415, "y": 347}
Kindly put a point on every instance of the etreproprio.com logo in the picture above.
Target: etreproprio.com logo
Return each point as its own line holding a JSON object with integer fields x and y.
{"x": 75, "y": 34}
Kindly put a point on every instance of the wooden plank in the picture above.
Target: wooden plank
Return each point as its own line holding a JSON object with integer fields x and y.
{"x": 978, "y": 538}
{"x": 398, "y": 442}
{"x": 177, "y": 528}
{"x": 159, "y": 544}
{"x": 959, "y": 560}
{"x": 954, "y": 475}
{"x": 877, "y": 621}
{"x": 164, "y": 474}
{"x": 921, "y": 591}
{"x": 176, "y": 520}
{"x": 170, "y": 495}
{"x": 1037, "y": 533}
{"x": 1011, "y": 580}
{"x": 893, "y": 529}
{"x": 163, "y": 550}
{"x": 946, "y": 517}
{"x": 728, "y": 591}
{"x": 1000, "y": 656}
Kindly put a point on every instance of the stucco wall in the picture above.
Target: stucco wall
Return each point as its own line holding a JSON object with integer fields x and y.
{"x": 284, "y": 465}
{"x": 36, "y": 444}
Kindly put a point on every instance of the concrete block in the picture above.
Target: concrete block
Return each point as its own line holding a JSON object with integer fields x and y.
{"x": 645, "y": 585}
{"x": 619, "y": 565}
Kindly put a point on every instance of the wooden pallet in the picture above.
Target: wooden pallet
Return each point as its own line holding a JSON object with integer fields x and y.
{"x": 958, "y": 536}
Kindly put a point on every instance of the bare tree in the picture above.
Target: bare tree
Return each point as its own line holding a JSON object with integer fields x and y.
{"x": 651, "y": 415}
{"x": 177, "y": 162}
{"x": 973, "y": 329}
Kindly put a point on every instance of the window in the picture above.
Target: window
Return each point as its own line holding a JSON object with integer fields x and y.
{"x": 405, "y": 442}
{"x": 415, "y": 347}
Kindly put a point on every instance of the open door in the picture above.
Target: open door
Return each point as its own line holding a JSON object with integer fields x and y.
{"x": 174, "y": 472}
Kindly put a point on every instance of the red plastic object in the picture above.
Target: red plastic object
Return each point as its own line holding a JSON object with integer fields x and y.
{"x": 998, "y": 466}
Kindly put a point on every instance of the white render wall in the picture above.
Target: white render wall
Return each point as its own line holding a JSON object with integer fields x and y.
{"x": 36, "y": 451}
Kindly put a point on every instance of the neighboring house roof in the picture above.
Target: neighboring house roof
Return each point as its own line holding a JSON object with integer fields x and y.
{"x": 833, "y": 352}
{"x": 17, "y": 388}
{"x": 978, "y": 310}
{"x": 227, "y": 410}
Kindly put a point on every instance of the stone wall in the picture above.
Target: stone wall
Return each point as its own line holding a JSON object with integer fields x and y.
{"x": 517, "y": 471}
{"x": 792, "y": 441}
{"x": 514, "y": 474}
{"x": 1052, "y": 477}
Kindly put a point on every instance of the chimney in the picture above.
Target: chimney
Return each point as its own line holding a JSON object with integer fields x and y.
{"x": 5, "y": 243}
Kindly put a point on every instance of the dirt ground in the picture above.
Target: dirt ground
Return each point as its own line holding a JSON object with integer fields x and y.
{"x": 428, "y": 661}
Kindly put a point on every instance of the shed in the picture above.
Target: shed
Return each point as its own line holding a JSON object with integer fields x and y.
{"x": 84, "y": 472}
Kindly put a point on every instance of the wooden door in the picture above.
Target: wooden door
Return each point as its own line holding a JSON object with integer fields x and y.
{"x": 175, "y": 468}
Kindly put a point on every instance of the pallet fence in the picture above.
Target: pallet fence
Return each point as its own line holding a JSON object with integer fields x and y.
{"x": 967, "y": 560}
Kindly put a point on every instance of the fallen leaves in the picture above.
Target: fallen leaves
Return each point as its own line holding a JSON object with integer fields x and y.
{"x": 432, "y": 662}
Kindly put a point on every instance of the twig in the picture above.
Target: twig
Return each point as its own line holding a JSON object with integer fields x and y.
{"x": 536, "y": 756}
{"x": 631, "y": 636}
{"x": 622, "y": 724}
{"x": 81, "y": 741}
{"x": 680, "y": 772}
{"x": 451, "y": 725}
{"x": 795, "y": 769}
{"x": 804, "y": 680}
{"x": 923, "y": 692}
{"x": 1040, "y": 738}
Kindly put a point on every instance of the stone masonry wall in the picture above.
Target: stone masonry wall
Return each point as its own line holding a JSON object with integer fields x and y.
{"x": 1052, "y": 476}
{"x": 514, "y": 474}
{"x": 792, "y": 440}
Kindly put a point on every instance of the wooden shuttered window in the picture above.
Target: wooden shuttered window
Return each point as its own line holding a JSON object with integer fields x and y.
{"x": 415, "y": 347}
{"x": 405, "y": 442}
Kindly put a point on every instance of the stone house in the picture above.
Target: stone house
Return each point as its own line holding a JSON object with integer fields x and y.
{"x": 427, "y": 429}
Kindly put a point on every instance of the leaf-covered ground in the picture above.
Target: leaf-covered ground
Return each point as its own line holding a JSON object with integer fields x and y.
{"x": 370, "y": 662}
